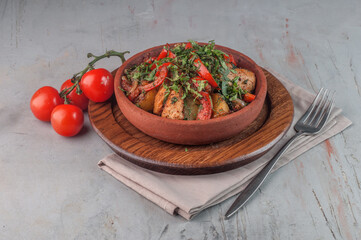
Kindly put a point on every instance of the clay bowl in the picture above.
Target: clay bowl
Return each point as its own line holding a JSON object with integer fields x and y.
{"x": 192, "y": 132}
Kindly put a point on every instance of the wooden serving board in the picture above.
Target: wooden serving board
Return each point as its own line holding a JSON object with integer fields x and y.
{"x": 135, "y": 146}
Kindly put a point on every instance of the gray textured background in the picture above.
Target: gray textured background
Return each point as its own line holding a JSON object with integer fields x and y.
{"x": 51, "y": 187}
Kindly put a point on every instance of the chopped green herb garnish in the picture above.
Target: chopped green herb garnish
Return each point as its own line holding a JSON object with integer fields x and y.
{"x": 174, "y": 100}
{"x": 183, "y": 65}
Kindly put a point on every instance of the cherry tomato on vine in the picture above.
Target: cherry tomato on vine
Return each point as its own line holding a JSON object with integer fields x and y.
{"x": 44, "y": 100}
{"x": 97, "y": 84}
{"x": 79, "y": 100}
{"x": 67, "y": 120}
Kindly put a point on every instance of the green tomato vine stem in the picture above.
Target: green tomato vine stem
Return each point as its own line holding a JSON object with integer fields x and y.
{"x": 77, "y": 77}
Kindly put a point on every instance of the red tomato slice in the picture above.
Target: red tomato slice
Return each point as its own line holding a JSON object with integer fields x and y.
{"x": 188, "y": 45}
{"x": 206, "y": 111}
{"x": 160, "y": 77}
{"x": 204, "y": 73}
{"x": 162, "y": 54}
{"x": 230, "y": 59}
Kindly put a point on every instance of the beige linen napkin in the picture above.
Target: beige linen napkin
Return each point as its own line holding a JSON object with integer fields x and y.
{"x": 189, "y": 195}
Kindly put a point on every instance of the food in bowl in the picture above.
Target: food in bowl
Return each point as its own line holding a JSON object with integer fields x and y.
{"x": 190, "y": 132}
{"x": 189, "y": 81}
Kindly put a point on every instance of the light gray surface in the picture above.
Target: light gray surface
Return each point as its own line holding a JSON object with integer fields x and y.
{"x": 51, "y": 187}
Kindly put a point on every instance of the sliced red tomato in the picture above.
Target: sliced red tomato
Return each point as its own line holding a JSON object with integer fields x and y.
{"x": 206, "y": 110}
{"x": 230, "y": 59}
{"x": 204, "y": 73}
{"x": 160, "y": 76}
{"x": 188, "y": 45}
{"x": 163, "y": 65}
{"x": 162, "y": 54}
{"x": 171, "y": 55}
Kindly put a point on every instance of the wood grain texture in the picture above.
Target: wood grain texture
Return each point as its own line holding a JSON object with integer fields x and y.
{"x": 135, "y": 146}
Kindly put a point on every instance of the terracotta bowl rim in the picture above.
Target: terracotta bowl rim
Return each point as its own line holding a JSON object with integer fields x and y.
{"x": 121, "y": 96}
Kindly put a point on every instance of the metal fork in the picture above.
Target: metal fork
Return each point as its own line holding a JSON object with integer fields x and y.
{"x": 311, "y": 122}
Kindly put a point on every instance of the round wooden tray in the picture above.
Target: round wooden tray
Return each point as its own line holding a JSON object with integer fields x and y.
{"x": 135, "y": 146}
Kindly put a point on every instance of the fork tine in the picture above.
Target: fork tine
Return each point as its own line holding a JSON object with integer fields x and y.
{"x": 312, "y": 107}
{"x": 318, "y": 112}
{"x": 326, "y": 113}
{"x": 325, "y": 109}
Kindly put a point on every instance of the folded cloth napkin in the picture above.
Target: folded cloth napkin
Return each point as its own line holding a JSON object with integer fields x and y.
{"x": 189, "y": 195}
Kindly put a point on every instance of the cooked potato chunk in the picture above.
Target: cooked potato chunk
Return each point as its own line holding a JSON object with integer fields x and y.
{"x": 220, "y": 107}
{"x": 174, "y": 105}
{"x": 247, "y": 79}
{"x": 159, "y": 101}
{"x": 146, "y": 100}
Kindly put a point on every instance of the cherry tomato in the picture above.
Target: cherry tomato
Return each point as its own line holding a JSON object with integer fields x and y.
{"x": 97, "y": 85}
{"x": 79, "y": 100}
{"x": 67, "y": 120}
{"x": 43, "y": 102}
